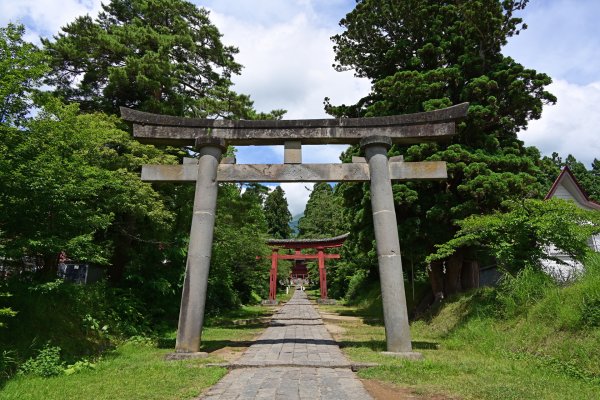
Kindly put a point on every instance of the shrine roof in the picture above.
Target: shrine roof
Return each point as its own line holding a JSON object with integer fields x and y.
{"x": 335, "y": 241}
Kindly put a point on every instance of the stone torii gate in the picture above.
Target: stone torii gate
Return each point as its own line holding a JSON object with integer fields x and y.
{"x": 375, "y": 136}
{"x": 298, "y": 245}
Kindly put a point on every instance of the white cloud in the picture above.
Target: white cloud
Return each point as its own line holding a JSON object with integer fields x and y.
{"x": 297, "y": 195}
{"x": 45, "y": 17}
{"x": 562, "y": 39}
{"x": 572, "y": 126}
{"x": 288, "y": 64}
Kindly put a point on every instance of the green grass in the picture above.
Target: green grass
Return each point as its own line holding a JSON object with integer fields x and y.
{"x": 133, "y": 371}
{"x": 493, "y": 343}
{"x": 137, "y": 370}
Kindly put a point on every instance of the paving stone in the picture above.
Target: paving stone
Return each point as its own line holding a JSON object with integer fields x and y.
{"x": 295, "y": 358}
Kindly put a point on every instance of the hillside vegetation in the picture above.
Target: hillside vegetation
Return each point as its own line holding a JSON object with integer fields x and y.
{"x": 529, "y": 338}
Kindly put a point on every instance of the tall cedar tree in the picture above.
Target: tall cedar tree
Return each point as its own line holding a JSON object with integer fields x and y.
{"x": 423, "y": 55}
{"x": 322, "y": 215}
{"x": 277, "y": 214}
{"x": 161, "y": 56}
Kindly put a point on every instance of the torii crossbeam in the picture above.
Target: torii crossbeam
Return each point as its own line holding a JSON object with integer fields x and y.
{"x": 375, "y": 136}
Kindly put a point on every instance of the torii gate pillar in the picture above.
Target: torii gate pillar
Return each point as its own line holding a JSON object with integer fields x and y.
{"x": 193, "y": 297}
{"x": 273, "y": 277}
{"x": 397, "y": 330}
{"x": 322, "y": 274}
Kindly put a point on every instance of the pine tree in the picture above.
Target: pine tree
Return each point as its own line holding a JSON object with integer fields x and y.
{"x": 161, "y": 56}
{"x": 323, "y": 214}
{"x": 277, "y": 214}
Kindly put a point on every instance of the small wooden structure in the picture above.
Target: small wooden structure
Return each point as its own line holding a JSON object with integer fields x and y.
{"x": 298, "y": 245}
{"x": 567, "y": 187}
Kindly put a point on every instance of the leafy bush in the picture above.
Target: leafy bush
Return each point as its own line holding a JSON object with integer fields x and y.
{"x": 78, "y": 366}
{"x": 520, "y": 237}
{"x": 47, "y": 363}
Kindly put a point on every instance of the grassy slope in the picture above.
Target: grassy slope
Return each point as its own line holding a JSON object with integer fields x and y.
{"x": 133, "y": 371}
{"x": 496, "y": 345}
{"x": 137, "y": 370}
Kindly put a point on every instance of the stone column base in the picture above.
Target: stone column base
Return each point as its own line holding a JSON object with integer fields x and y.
{"x": 326, "y": 301}
{"x": 269, "y": 302}
{"x": 409, "y": 355}
{"x": 185, "y": 356}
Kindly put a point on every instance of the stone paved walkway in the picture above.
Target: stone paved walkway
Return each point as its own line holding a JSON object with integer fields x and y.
{"x": 294, "y": 359}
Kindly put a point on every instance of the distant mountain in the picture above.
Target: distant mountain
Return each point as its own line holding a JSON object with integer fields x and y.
{"x": 294, "y": 223}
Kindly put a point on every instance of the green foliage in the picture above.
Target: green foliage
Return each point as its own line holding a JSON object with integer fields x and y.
{"x": 46, "y": 363}
{"x": 478, "y": 345}
{"x": 356, "y": 284}
{"x": 240, "y": 235}
{"x": 5, "y": 312}
{"x": 425, "y": 55}
{"x": 277, "y": 214}
{"x": 520, "y": 237}
{"x": 73, "y": 183}
{"x": 575, "y": 307}
{"x": 22, "y": 67}
{"x": 152, "y": 55}
{"x": 516, "y": 294}
{"x": 8, "y": 364}
{"x": 322, "y": 215}
{"x": 78, "y": 366}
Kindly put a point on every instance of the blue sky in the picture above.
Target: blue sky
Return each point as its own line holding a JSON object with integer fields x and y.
{"x": 287, "y": 54}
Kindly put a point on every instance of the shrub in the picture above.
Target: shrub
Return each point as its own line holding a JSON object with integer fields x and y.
{"x": 47, "y": 363}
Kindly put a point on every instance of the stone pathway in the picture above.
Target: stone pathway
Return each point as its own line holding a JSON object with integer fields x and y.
{"x": 294, "y": 359}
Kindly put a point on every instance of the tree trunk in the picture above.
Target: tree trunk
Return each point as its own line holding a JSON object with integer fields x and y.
{"x": 50, "y": 269}
{"x": 470, "y": 274}
{"x": 116, "y": 272}
{"x": 452, "y": 278}
{"x": 436, "y": 277}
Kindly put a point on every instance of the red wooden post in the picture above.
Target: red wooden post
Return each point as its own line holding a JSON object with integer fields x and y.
{"x": 273, "y": 276}
{"x": 322, "y": 274}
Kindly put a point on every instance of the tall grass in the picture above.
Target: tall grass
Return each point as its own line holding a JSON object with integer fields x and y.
{"x": 528, "y": 338}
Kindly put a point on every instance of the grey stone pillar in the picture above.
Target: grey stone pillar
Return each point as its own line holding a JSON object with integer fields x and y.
{"x": 193, "y": 298}
{"x": 397, "y": 330}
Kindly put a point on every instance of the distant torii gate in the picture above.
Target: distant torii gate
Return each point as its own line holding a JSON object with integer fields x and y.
{"x": 375, "y": 136}
{"x": 298, "y": 245}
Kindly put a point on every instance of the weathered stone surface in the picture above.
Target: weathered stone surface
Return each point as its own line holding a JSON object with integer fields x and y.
{"x": 408, "y": 128}
{"x": 292, "y": 152}
{"x": 359, "y": 172}
{"x": 193, "y": 297}
{"x": 395, "y": 314}
{"x": 295, "y": 358}
{"x": 185, "y": 356}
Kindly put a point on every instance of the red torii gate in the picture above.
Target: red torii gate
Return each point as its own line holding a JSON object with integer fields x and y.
{"x": 298, "y": 245}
